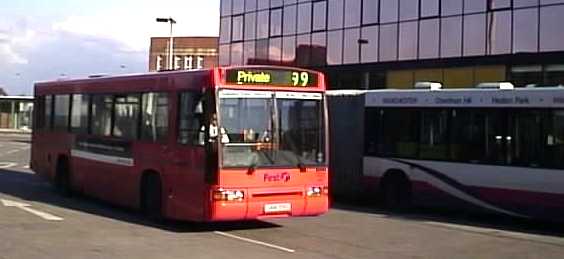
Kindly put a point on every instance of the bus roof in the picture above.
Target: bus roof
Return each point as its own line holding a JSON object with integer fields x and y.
{"x": 529, "y": 97}
{"x": 156, "y": 81}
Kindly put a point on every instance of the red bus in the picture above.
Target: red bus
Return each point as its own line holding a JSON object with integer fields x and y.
{"x": 236, "y": 143}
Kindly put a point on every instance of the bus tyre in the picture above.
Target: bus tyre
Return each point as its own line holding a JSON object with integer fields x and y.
{"x": 152, "y": 197}
{"x": 63, "y": 178}
{"x": 396, "y": 193}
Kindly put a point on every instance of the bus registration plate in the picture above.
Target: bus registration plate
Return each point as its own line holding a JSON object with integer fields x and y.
{"x": 277, "y": 207}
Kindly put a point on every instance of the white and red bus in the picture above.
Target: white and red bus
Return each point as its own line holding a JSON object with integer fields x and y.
{"x": 490, "y": 150}
{"x": 233, "y": 143}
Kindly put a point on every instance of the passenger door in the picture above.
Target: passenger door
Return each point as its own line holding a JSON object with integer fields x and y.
{"x": 186, "y": 157}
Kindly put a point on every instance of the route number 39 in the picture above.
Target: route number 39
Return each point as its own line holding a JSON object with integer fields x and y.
{"x": 300, "y": 79}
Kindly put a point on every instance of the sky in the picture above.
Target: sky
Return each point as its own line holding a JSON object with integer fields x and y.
{"x": 48, "y": 39}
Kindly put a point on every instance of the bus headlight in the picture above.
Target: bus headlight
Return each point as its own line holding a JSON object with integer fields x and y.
{"x": 228, "y": 195}
{"x": 317, "y": 191}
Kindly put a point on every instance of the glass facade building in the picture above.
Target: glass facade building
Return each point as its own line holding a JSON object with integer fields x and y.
{"x": 395, "y": 43}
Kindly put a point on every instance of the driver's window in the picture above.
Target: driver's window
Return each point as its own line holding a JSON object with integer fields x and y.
{"x": 190, "y": 118}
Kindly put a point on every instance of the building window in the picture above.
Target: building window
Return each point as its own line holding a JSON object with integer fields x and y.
{"x": 409, "y": 9}
{"x": 388, "y": 42}
{"x": 262, "y": 51}
{"x": 474, "y": 35}
{"x": 370, "y": 11}
{"x": 451, "y": 7}
{"x": 304, "y": 18}
{"x": 525, "y": 3}
{"x": 225, "y": 35}
{"x": 522, "y": 76}
{"x": 225, "y": 7}
{"x": 276, "y": 22}
{"x": 499, "y": 33}
{"x": 275, "y": 3}
{"x": 352, "y": 13}
{"x": 551, "y": 32}
{"x": 224, "y": 54}
{"x": 319, "y": 16}
{"x": 250, "y": 26}
{"x": 554, "y": 75}
{"x": 408, "y": 40}
{"x": 369, "y": 49}
{"x": 263, "y": 24}
{"x": 289, "y": 50}
{"x": 237, "y": 53}
{"x": 429, "y": 8}
{"x": 248, "y": 52}
{"x": 250, "y": 5}
{"x": 238, "y": 6}
{"x": 290, "y": 19}
{"x": 126, "y": 116}
{"x": 351, "y": 52}
{"x": 336, "y": 19}
{"x": 319, "y": 49}
{"x": 335, "y": 47}
{"x": 429, "y": 38}
{"x": 275, "y": 50}
{"x": 237, "y": 28}
{"x": 303, "y": 51}
{"x": 263, "y": 4}
{"x": 388, "y": 11}
{"x": 525, "y": 30}
{"x": 475, "y": 6}
{"x": 451, "y": 36}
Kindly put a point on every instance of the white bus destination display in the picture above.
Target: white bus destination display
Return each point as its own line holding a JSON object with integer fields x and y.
{"x": 547, "y": 97}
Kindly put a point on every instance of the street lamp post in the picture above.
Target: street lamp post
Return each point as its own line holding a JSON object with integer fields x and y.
{"x": 170, "y": 53}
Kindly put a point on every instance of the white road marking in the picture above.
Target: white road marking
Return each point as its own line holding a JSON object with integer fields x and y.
{"x": 12, "y": 151}
{"x": 7, "y": 164}
{"x": 256, "y": 242}
{"x": 26, "y": 207}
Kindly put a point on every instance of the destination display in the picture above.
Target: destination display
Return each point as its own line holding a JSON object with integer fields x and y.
{"x": 271, "y": 77}
{"x": 468, "y": 98}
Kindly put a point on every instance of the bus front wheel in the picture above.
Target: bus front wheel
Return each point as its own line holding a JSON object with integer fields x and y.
{"x": 62, "y": 177}
{"x": 152, "y": 197}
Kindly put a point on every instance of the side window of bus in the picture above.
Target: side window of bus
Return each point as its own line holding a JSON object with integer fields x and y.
{"x": 79, "y": 113}
{"x": 48, "y": 112}
{"x": 190, "y": 118}
{"x": 434, "y": 134}
{"x": 101, "y": 118}
{"x": 61, "y": 121}
{"x": 554, "y": 139}
{"x": 401, "y": 131}
{"x": 39, "y": 113}
{"x": 154, "y": 116}
{"x": 126, "y": 116}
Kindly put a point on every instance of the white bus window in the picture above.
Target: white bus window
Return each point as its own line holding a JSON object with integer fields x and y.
{"x": 434, "y": 134}
{"x": 126, "y": 116}
{"x": 154, "y": 116}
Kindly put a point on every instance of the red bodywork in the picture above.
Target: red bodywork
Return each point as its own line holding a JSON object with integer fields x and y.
{"x": 186, "y": 193}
